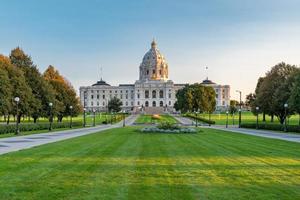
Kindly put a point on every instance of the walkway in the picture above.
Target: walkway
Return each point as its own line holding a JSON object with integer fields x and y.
{"x": 11, "y": 144}
{"x": 262, "y": 133}
{"x": 183, "y": 120}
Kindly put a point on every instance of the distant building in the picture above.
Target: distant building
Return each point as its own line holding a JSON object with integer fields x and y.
{"x": 152, "y": 93}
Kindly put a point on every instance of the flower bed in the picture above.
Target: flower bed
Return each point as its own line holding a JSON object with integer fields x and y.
{"x": 160, "y": 130}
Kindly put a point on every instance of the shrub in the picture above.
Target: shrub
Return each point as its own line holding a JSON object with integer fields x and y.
{"x": 168, "y": 125}
{"x": 11, "y": 128}
{"x": 159, "y": 130}
{"x": 273, "y": 127}
{"x": 207, "y": 121}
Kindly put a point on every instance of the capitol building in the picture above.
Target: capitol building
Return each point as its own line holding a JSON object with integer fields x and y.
{"x": 152, "y": 93}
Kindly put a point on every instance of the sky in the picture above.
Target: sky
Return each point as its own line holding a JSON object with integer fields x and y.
{"x": 238, "y": 41}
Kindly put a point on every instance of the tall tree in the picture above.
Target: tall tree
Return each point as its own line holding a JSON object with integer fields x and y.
{"x": 41, "y": 89}
{"x": 5, "y": 92}
{"x": 273, "y": 91}
{"x": 20, "y": 88}
{"x": 65, "y": 95}
{"x": 294, "y": 99}
{"x": 114, "y": 105}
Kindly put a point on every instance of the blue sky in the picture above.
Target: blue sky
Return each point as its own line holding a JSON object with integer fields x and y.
{"x": 237, "y": 40}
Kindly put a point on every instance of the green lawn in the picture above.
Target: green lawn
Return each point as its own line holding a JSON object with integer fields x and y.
{"x": 247, "y": 117}
{"x": 125, "y": 164}
{"x": 146, "y": 119}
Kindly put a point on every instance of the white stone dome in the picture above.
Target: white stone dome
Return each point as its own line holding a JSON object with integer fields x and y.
{"x": 153, "y": 66}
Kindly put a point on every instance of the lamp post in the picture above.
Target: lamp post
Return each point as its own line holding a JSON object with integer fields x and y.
{"x": 71, "y": 109}
{"x": 94, "y": 122}
{"x": 123, "y": 118}
{"x": 240, "y": 109}
{"x": 196, "y": 113}
{"x": 257, "y": 109}
{"x": 17, "y": 100}
{"x": 285, "y": 116}
{"x": 227, "y": 118}
{"x": 50, "y": 116}
{"x": 84, "y": 121}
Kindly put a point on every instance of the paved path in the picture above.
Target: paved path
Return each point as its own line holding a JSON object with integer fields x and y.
{"x": 183, "y": 120}
{"x": 27, "y": 141}
{"x": 262, "y": 133}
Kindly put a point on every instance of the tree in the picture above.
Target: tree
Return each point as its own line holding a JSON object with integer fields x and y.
{"x": 232, "y": 107}
{"x": 273, "y": 91}
{"x": 64, "y": 93}
{"x": 294, "y": 99}
{"x": 114, "y": 105}
{"x": 41, "y": 89}
{"x": 196, "y": 97}
{"x": 5, "y": 92}
{"x": 20, "y": 88}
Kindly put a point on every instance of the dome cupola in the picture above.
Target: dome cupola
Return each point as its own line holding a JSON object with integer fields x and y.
{"x": 153, "y": 66}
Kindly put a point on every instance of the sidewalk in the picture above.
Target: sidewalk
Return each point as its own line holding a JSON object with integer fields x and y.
{"x": 262, "y": 133}
{"x": 11, "y": 144}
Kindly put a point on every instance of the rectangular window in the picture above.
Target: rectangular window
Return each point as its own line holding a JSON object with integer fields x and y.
{"x": 97, "y": 96}
{"x": 92, "y": 96}
{"x": 103, "y": 96}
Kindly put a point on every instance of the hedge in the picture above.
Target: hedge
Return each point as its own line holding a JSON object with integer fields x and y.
{"x": 11, "y": 128}
{"x": 273, "y": 127}
{"x": 207, "y": 121}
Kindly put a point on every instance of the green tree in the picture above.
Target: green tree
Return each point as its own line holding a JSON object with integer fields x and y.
{"x": 273, "y": 91}
{"x": 19, "y": 88}
{"x": 114, "y": 105}
{"x": 233, "y": 107}
{"x": 5, "y": 92}
{"x": 294, "y": 99}
{"x": 41, "y": 89}
{"x": 196, "y": 97}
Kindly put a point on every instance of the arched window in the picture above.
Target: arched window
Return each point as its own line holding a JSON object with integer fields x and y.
{"x": 147, "y": 94}
{"x": 161, "y": 103}
{"x": 153, "y": 104}
{"x": 147, "y": 104}
{"x": 161, "y": 94}
{"x": 154, "y": 94}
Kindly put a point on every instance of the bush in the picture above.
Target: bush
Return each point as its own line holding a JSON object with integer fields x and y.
{"x": 207, "y": 121}
{"x": 11, "y": 128}
{"x": 168, "y": 125}
{"x": 160, "y": 130}
{"x": 273, "y": 127}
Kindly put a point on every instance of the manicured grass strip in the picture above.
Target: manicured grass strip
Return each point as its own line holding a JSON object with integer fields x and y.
{"x": 147, "y": 119}
{"x": 125, "y": 164}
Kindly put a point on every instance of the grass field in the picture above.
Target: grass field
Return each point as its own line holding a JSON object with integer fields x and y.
{"x": 247, "y": 117}
{"x": 125, "y": 164}
{"x": 146, "y": 119}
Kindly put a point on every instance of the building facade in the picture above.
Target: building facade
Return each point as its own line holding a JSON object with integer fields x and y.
{"x": 152, "y": 93}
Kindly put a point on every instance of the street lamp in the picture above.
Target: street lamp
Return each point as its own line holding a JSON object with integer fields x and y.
{"x": 123, "y": 118}
{"x": 84, "y": 121}
{"x": 94, "y": 111}
{"x": 71, "y": 109}
{"x": 227, "y": 118}
{"x": 257, "y": 109}
{"x": 17, "y": 100}
{"x": 50, "y": 115}
{"x": 196, "y": 113}
{"x": 285, "y": 115}
{"x": 240, "y": 110}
